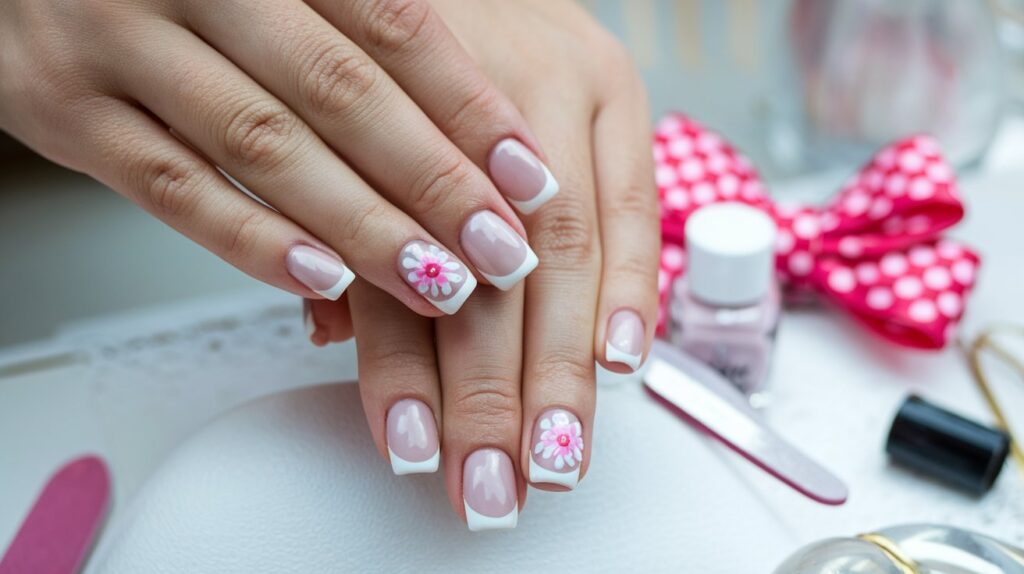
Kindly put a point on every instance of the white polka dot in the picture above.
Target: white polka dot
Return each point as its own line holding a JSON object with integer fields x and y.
{"x": 717, "y": 163}
{"x": 887, "y": 158}
{"x": 806, "y": 227}
{"x": 708, "y": 142}
{"x": 894, "y": 264}
{"x": 923, "y": 311}
{"x": 918, "y": 224}
{"x": 940, "y": 172}
{"x": 874, "y": 179}
{"x": 908, "y": 287}
{"x": 841, "y": 280}
{"x": 665, "y": 176}
{"x": 681, "y": 147}
{"x": 949, "y": 250}
{"x": 921, "y": 188}
{"x": 801, "y": 263}
{"x": 963, "y": 272}
{"x": 673, "y": 258}
{"x": 787, "y": 210}
{"x": 659, "y": 153}
{"x": 880, "y": 207}
{"x": 926, "y": 145}
{"x": 851, "y": 247}
{"x": 728, "y": 185}
{"x": 743, "y": 164}
{"x": 856, "y": 203}
{"x": 937, "y": 278}
{"x": 879, "y": 298}
{"x": 896, "y": 185}
{"x": 752, "y": 190}
{"x": 829, "y": 222}
{"x": 704, "y": 193}
{"x": 950, "y": 304}
{"x": 691, "y": 170}
{"x": 670, "y": 125}
{"x": 867, "y": 273}
{"x": 784, "y": 242}
{"x": 677, "y": 198}
{"x": 922, "y": 256}
{"x": 911, "y": 161}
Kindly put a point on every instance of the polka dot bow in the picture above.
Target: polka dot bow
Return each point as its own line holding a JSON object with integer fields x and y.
{"x": 875, "y": 250}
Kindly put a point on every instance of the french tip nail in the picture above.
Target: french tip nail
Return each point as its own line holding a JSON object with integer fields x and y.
{"x": 431, "y": 271}
{"x": 507, "y": 282}
{"x": 614, "y": 355}
{"x": 335, "y": 292}
{"x": 541, "y": 475}
{"x": 321, "y": 272}
{"x": 550, "y": 190}
{"x": 477, "y": 522}
{"x": 400, "y": 466}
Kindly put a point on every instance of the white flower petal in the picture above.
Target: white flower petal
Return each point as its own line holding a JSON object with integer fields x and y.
{"x": 442, "y": 256}
{"x": 559, "y": 462}
{"x": 570, "y": 461}
{"x": 560, "y": 419}
{"x": 422, "y": 288}
{"x": 433, "y": 289}
{"x": 545, "y": 424}
{"x": 451, "y": 266}
{"x": 576, "y": 426}
{"x": 538, "y": 448}
{"x": 578, "y": 454}
{"x": 412, "y": 277}
{"x": 447, "y": 288}
{"x": 410, "y": 263}
{"x": 453, "y": 278}
{"x": 550, "y": 449}
{"x": 416, "y": 250}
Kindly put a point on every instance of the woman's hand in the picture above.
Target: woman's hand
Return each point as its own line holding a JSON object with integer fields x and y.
{"x": 505, "y": 389}
{"x": 363, "y": 128}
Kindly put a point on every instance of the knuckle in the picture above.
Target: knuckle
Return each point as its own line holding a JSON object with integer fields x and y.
{"x": 402, "y": 359}
{"x": 480, "y": 105}
{"x": 438, "y": 176}
{"x": 338, "y": 79}
{"x": 566, "y": 235}
{"x": 355, "y": 227}
{"x": 394, "y": 26}
{"x": 260, "y": 135}
{"x": 564, "y": 365}
{"x": 242, "y": 234}
{"x": 169, "y": 185}
{"x": 490, "y": 398}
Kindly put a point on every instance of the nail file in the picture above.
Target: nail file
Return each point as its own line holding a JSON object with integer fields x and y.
{"x": 711, "y": 403}
{"x": 62, "y": 525}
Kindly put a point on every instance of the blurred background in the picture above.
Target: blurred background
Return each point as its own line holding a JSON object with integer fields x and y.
{"x": 803, "y": 87}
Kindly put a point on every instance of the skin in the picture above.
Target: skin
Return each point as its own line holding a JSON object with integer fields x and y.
{"x": 506, "y": 357}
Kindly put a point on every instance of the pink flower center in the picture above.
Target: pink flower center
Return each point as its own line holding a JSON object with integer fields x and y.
{"x": 563, "y": 440}
{"x": 432, "y": 270}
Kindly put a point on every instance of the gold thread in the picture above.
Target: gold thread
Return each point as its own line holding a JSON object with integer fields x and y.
{"x": 985, "y": 342}
{"x": 892, "y": 551}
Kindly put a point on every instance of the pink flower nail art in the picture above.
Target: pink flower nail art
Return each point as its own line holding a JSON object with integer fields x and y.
{"x": 437, "y": 275}
{"x": 561, "y": 441}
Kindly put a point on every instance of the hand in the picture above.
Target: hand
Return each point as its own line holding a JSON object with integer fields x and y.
{"x": 362, "y": 127}
{"x": 491, "y": 381}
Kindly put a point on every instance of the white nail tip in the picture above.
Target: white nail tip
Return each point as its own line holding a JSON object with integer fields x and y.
{"x": 614, "y": 355}
{"x": 402, "y": 466}
{"x": 478, "y": 522}
{"x": 307, "y": 321}
{"x": 450, "y": 306}
{"x": 541, "y": 475}
{"x": 550, "y": 189}
{"x": 506, "y": 282}
{"x": 347, "y": 277}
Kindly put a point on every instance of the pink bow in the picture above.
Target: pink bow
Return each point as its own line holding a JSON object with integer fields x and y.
{"x": 875, "y": 250}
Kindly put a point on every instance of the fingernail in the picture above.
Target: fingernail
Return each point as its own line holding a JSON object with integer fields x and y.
{"x": 412, "y": 438}
{"x": 625, "y": 339}
{"x": 496, "y": 250}
{"x": 557, "y": 449}
{"x": 307, "y": 319}
{"x": 436, "y": 275}
{"x": 489, "y": 490}
{"x": 325, "y": 274}
{"x": 520, "y": 176}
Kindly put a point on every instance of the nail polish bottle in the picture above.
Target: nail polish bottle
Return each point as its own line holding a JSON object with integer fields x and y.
{"x": 725, "y": 309}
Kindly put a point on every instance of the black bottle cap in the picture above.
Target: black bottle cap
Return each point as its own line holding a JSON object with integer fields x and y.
{"x": 947, "y": 446}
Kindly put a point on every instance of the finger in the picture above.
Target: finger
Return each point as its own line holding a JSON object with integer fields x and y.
{"x": 362, "y": 114}
{"x": 261, "y": 143}
{"x": 138, "y": 157}
{"x": 630, "y": 239}
{"x": 479, "y": 352}
{"x": 397, "y": 379}
{"x": 559, "y": 378}
{"x": 327, "y": 321}
{"x": 411, "y": 42}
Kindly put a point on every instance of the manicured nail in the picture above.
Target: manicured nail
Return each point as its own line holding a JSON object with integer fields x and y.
{"x": 324, "y": 274}
{"x": 489, "y": 490}
{"x": 625, "y": 339}
{"x": 412, "y": 438}
{"x": 436, "y": 275}
{"x": 520, "y": 176}
{"x": 557, "y": 449}
{"x": 497, "y": 251}
{"x": 307, "y": 319}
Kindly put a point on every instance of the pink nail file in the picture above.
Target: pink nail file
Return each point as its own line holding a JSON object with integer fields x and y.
{"x": 711, "y": 403}
{"x": 62, "y": 525}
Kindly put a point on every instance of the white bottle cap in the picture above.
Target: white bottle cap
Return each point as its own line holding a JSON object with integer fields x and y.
{"x": 731, "y": 252}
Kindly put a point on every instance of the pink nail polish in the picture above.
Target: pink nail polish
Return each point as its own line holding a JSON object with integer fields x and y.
{"x": 325, "y": 274}
{"x": 557, "y": 449}
{"x": 520, "y": 176}
{"x": 625, "y": 338}
{"x": 412, "y": 438}
{"x": 489, "y": 490}
{"x": 496, "y": 250}
{"x": 436, "y": 274}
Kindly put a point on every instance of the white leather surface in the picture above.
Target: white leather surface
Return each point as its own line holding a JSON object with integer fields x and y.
{"x": 292, "y": 483}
